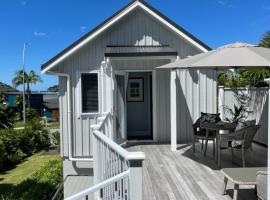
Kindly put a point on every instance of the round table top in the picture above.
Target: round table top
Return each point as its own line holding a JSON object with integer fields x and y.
{"x": 219, "y": 126}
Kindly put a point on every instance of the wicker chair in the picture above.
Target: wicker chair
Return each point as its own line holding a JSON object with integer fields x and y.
{"x": 240, "y": 140}
{"x": 200, "y": 134}
{"x": 261, "y": 186}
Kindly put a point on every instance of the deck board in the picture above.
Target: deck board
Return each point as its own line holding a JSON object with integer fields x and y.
{"x": 177, "y": 175}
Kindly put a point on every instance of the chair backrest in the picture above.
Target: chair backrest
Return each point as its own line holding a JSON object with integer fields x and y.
{"x": 249, "y": 134}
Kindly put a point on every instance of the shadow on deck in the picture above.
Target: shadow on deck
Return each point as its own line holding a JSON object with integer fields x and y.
{"x": 185, "y": 175}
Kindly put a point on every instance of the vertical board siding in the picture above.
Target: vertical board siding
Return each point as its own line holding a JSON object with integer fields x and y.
{"x": 137, "y": 28}
{"x": 63, "y": 115}
{"x": 196, "y": 92}
{"x": 258, "y": 107}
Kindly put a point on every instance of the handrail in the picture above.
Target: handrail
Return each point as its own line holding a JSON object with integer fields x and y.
{"x": 60, "y": 186}
{"x": 101, "y": 120}
{"x": 99, "y": 186}
{"x": 117, "y": 172}
{"x": 121, "y": 151}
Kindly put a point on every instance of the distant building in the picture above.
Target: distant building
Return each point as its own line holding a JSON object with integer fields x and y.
{"x": 7, "y": 88}
{"x": 50, "y": 106}
{"x": 45, "y": 103}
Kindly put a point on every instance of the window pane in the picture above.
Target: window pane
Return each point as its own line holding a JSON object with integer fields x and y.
{"x": 89, "y": 93}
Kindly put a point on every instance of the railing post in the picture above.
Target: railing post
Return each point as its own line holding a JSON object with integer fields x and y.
{"x": 136, "y": 175}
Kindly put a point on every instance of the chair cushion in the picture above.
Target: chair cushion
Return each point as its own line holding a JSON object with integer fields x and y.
{"x": 235, "y": 144}
{"x": 209, "y": 117}
{"x": 241, "y": 125}
{"x": 244, "y": 124}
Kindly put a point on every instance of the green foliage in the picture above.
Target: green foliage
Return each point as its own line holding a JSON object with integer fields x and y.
{"x": 6, "y": 116}
{"x": 19, "y": 104}
{"x": 265, "y": 41}
{"x": 256, "y": 77}
{"x": 237, "y": 114}
{"x": 3, "y": 98}
{"x": 22, "y": 77}
{"x": 39, "y": 135}
{"x": 247, "y": 77}
{"x": 244, "y": 77}
{"x": 15, "y": 145}
{"x": 56, "y": 138}
{"x": 31, "y": 113}
{"x": 41, "y": 185}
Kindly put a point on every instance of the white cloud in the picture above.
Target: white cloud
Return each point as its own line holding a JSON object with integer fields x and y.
{"x": 266, "y": 7}
{"x": 221, "y": 3}
{"x": 23, "y": 3}
{"x": 224, "y": 3}
{"x": 39, "y": 34}
{"x": 82, "y": 28}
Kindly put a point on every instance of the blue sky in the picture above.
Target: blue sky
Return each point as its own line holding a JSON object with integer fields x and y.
{"x": 48, "y": 26}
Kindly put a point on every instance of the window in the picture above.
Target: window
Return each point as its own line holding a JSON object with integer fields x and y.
{"x": 89, "y": 92}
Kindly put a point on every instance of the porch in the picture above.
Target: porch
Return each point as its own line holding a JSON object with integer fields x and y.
{"x": 184, "y": 175}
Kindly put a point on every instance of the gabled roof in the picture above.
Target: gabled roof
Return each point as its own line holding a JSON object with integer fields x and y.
{"x": 112, "y": 20}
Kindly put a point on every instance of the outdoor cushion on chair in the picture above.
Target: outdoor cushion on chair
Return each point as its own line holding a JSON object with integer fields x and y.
{"x": 209, "y": 118}
{"x": 241, "y": 125}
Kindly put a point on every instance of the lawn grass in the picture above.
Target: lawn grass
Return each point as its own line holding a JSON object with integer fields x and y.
{"x": 35, "y": 178}
{"x": 25, "y": 169}
{"x": 53, "y": 125}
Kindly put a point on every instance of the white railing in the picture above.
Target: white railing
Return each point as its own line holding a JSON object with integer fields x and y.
{"x": 117, "y": 172}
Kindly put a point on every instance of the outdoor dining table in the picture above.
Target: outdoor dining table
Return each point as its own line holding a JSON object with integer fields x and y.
{"x": 216, "y": 128}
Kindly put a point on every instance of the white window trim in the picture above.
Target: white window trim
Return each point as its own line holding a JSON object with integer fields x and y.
{"x": 79, "y": 94}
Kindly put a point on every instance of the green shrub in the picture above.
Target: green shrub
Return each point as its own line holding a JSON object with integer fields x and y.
{"x": 6, "y": 116}
{"x": 41, "y": 185}
{"x": 40, "y": 138}
{"x": 31, "y": 113}
{"x": 56, "y": 138}
{"x": 15, "y": 145}
{"x": 10, "y": 151}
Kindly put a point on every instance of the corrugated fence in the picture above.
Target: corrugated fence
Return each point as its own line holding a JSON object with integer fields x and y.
{"x": 256, "y": 101}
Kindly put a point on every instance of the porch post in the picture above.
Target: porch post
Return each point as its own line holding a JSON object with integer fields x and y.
{"x": 173, "y": 111}
{"x": 221, "y": 101}
{"x": 268, "y": 149}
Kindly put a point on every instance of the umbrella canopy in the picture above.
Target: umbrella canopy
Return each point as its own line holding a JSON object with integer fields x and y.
{"x": 229, "y": 56}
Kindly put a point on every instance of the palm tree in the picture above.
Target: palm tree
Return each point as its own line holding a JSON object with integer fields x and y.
{"x": 30, "y": 78}
{"x": 19, "y": 103}
{"x": 265, "y": 41}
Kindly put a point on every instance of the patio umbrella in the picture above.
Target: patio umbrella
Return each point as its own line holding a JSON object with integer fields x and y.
{"x": 229, "y": 56}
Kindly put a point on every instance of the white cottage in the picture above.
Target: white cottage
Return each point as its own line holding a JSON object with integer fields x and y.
{"x": 112, "y": 69}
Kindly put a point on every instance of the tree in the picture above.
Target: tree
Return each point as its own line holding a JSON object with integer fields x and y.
{"x": 54, "y": 88}
{"x": 19, "y": 104}
{"x": 30, "y": 78}
{"x": 253, "y": 77}
{"x": 265, "y": 40}
{"x": 3, "y": 98}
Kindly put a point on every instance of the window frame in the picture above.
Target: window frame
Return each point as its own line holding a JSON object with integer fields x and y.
{"x": 79, "y": 94}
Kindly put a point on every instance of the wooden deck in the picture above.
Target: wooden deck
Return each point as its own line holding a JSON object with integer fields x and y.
{"x": 184, "y": 175}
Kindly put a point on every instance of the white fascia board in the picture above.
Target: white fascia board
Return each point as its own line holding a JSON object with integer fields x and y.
{"x": 173, "y": 28}
{"x": 114, "y": 20}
